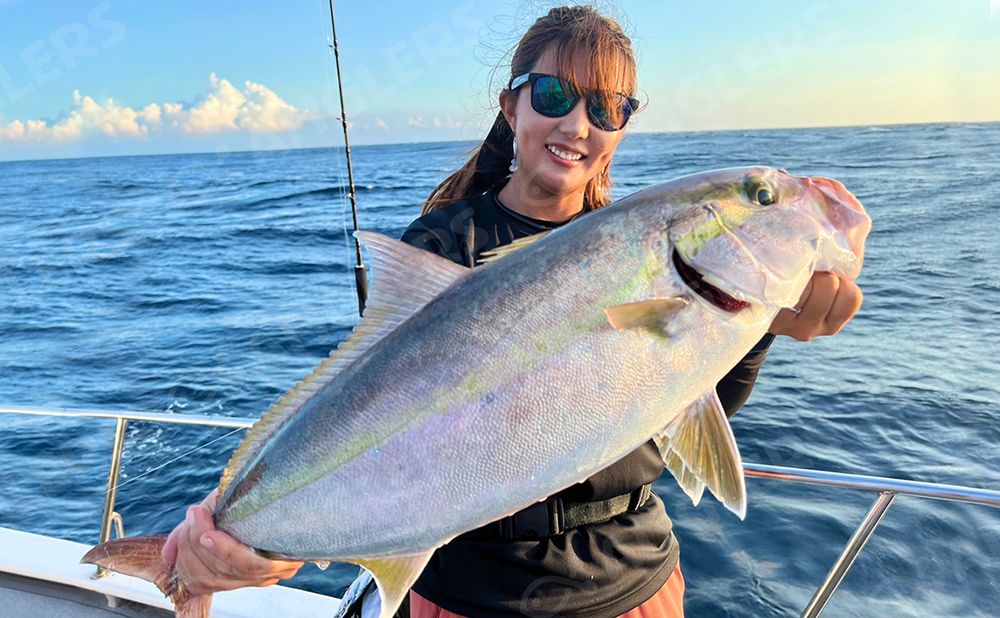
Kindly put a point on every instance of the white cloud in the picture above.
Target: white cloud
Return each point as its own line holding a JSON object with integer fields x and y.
{"x": 218, "y": 111}
{"x": 264, "y": 111}
{"x": 12, "y": 132}
{"x": 254, "y": 109}
{"x": 382, "y": 124}
{"x": 415, "y": 121}
{"x": 151, "y": 114}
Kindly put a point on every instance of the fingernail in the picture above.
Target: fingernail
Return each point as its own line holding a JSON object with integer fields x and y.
{"x": 207, "y": 542}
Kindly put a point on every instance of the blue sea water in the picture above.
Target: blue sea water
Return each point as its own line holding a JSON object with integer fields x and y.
{"x": 211, "y": 283}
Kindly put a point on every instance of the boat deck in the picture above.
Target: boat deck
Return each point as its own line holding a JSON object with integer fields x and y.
{"x": 25, "y": 596}
{"x": 42, "y": 577}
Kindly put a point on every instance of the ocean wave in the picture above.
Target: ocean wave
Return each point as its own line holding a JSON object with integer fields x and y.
{"x": 201, "y": 304}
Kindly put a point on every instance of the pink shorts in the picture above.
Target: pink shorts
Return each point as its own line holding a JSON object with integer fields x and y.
{"x": 668, "y": 602}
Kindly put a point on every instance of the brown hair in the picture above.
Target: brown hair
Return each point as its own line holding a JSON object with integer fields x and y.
{"x": 571, "y": 32}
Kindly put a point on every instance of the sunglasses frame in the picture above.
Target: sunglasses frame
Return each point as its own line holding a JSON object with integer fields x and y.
{"x": 532, "y": 78}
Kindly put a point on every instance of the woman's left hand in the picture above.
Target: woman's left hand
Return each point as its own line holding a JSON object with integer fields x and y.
{"x": 826, "y": 305}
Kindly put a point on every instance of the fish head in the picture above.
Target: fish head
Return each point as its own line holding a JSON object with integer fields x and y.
{"x": 755, "y": 236}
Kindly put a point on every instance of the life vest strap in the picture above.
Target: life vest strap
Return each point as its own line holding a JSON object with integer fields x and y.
{"x": 555, "y": 516}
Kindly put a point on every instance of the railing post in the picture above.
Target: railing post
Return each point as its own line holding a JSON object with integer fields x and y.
{"x": 836, "y": 575}
{"x": 112, "y": 491}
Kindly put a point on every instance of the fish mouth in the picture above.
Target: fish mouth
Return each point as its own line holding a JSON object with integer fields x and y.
{"x": 694, "y": 280}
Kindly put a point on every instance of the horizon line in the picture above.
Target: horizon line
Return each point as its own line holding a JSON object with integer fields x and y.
{"x": 458, "y": 141}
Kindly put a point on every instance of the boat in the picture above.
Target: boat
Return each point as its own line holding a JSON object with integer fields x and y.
{"x": 40, "y": 575}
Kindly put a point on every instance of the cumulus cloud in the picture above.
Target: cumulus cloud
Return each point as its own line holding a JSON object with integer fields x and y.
{"x": 255, "y": 109}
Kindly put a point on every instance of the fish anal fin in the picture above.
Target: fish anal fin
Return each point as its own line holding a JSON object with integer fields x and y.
{"x": 394, "y": 575}
{"x": 404, "y": 279}
{"x": 501, "y": 252}
{"x": 140, "y": 557}
{"x": 653, "y": 314}
{"x": 700, "y": 451}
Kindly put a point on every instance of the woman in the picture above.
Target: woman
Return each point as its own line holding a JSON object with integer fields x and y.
{"x": 545, "y": 161}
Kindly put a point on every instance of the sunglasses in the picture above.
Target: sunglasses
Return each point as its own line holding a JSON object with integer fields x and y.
{"x": 554, "y": 97}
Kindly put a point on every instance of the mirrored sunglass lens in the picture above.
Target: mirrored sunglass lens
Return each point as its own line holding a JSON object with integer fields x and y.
{"x": 551, "y": 97}
{"x": 609, "y": 119}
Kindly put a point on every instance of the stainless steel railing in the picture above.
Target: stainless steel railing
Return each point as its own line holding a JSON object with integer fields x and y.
{"x": 885, "y": 488}
{"x": 121, "y": 420}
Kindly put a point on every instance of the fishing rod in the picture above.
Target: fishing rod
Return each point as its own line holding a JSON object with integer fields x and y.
{"x": 360, "y": 272}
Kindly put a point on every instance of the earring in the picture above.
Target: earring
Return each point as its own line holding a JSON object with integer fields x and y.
{"x": 513, "y": 162}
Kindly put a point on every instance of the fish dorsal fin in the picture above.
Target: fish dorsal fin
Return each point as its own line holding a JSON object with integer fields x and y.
{"x": 394, "y": 575}
{"x": 652, "y": 315}
{"x": 404, "y": 279}
{"x": 500, "y": 252}
{"x": 700, "y": 451}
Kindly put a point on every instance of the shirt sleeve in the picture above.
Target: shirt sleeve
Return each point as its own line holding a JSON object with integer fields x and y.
{"x": 422, "y": 237}
{"x": 734, "y": 389}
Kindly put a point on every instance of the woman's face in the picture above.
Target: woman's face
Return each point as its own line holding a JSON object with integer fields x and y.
{"x": 545, "y": 171}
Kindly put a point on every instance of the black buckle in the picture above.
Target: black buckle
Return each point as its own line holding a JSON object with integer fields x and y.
{"x": 540, "y": 520}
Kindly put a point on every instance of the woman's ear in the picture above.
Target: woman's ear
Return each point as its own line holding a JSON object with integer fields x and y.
{"x": 508, "y": 106}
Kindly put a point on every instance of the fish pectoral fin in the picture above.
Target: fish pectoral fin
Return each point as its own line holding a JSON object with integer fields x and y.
{"x": 394, "y": 575}
{"x": 700, "y": 451}
{"x": 653, "y": 314}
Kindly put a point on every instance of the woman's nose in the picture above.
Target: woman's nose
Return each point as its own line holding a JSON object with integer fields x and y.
{"x": 575, "y": 123}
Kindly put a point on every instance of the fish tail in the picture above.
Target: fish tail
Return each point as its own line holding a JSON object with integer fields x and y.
{"x": 140, "y": 557}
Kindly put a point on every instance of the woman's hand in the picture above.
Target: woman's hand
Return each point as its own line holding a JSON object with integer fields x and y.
{"x": 826, "y": 305}
{"x": 209, "y": 560}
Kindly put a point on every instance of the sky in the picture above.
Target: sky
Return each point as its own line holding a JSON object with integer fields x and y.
{"x": 106, "y": 77}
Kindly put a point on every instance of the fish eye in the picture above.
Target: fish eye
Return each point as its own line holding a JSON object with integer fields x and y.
{"x": 761, "y": 194}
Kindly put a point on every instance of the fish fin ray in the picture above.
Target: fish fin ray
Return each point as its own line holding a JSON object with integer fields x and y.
{"x": 140, "y": 556}
{"x": 686, "y": 478}
{"x": 394, "y": 576}
{"x": 653, "y": 314}
{"x": 501, "y": 252}
{"x": 404, "y": 279}
{"x": 703, "y": 443}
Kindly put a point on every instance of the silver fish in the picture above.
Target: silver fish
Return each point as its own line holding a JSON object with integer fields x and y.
{"x": 466, "y": 395}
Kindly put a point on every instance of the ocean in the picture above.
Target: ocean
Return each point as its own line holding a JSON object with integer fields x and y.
{"x": 211, "y": 283}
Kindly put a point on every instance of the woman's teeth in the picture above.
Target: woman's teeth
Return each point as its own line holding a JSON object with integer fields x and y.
{"x": 562, "y": 154}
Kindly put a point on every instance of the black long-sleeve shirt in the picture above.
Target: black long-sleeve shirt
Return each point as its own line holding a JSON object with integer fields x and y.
{"x": 594, "y": 571}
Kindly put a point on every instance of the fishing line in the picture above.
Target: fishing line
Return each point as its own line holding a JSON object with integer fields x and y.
{"x": 179, "y": 457}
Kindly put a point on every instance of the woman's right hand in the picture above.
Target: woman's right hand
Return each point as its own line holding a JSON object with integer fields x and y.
{"x": 209, "y": 560}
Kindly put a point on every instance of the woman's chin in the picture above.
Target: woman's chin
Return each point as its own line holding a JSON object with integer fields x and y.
{"x": 562, "y": 181}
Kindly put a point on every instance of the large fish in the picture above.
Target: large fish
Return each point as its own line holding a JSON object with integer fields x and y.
{"x": 466, "y": 395}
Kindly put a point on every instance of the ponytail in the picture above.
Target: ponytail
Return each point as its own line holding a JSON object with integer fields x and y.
{"x": 488, "y": 165}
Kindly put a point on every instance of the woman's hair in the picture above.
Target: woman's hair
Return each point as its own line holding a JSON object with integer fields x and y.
{"x": 571, "y": 33}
